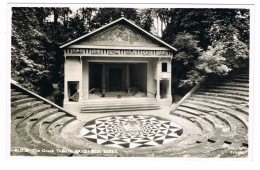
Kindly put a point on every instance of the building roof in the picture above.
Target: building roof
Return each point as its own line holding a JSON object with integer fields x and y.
{"x": 120, "y": 20}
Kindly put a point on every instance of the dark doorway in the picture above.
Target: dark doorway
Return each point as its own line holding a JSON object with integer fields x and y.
{"x": 115, "y": 79}
{"x": 95, "y": 74}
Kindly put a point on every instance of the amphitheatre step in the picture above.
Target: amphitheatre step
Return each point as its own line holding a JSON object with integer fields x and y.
{"x": 217, "y": 122}
{"x": 221, "y": 103}
{"x": 206, "y": 126}
{"x": 238, "y": 116}
{"x": 18, "y": 97}
{"x": 70, "y": 134}
{"x": 243, "y": 76}
{"x": 241, "y": 80}
{"x": 245, "y": 89}
{"x": 22, "y": 101}
{"x": 35, "y": 129}
{"x": 16, "y": 93}
{"x": 216, "y": 98}
{"x": 46, "y": 133}
{"x": 56, "y": 126}
{"x": 235, "y": 92}
{"x": 25, "y": 106}
{"x": 224, "y": 95}
{"x": 30, "y": 111}
{"x": 231, "y": 84}
{"x": 42, "y": 114}
{"x": 209, "y": 132}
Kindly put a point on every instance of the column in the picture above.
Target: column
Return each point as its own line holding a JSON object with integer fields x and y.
{"x": 80, "y": 89}
{"x": 87, "y": 78}
{"x": 127, "y": 79}
{"x": 65, "y": 83}
{"x": 169, "y": 92}
{"x": 158, "y": 77}
{"x": 103, "y": 79}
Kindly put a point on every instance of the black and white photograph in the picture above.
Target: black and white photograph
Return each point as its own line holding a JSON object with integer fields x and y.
{"x": 168, "y": 81}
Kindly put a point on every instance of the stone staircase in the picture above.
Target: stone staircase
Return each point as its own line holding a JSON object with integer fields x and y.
{"x": 119, "y": 105}
{"x": 220, "y": 110}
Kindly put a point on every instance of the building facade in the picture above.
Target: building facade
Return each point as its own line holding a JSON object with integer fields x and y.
{"x": 118, "y": 57}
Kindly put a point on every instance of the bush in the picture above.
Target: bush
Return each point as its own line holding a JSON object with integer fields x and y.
{"x": 58, "y": 97}
{"x": 45, "y": 86}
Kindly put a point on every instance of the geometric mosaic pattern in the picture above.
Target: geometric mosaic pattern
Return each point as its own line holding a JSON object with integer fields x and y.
{"x": 131, "y": 131}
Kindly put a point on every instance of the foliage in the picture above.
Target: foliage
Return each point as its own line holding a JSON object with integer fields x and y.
{"x": 222, "y": 40}
{"x": 209, "y": 41}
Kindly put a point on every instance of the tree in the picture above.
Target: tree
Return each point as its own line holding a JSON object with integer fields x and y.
{"x": 221, "y": 35}
{"x": 27, "y": 47}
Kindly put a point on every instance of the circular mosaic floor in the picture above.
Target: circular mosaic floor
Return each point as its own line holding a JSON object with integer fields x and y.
{"x": 131, "y": 131}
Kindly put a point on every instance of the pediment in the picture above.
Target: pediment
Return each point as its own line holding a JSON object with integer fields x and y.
{"x": 119, "y": 35}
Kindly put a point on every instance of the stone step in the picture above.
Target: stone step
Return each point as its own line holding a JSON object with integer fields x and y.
{"x": 109, "y": 107}
{"x": 35, "y": 129}
{"x": 42, "y": 114}
{"x": 25, "y": 106}
{"x": 21, "y": 139}
{"x": 242, "y": 77}
{"x": 22, "y": 101}
{"x": 230, "y": 96}
{"x": 118, "y": 104}
{"x": 13, "y": 90}
{"x": 50, "y": 138}
{"x": 121, "y": 100}
{"x": 55, "y": 127}
{"x": 231, "y": 84}
{"x": 230, "y": 88}
{"x": 16, "y": 93}
{"x": 53, "y": 133}
{"x": 238, "y": 116}
{"x": 216, "y": 98}
{"x": 18, "y": 97}
{"x": 70, "y": 134}
{"x": 206, "y": 127}
{"x": 238, "y": 128}
{"x": 221, "y": 103}
{"x": 33, "y": 120}
{"x": 240, "y": 93}
{"x": 217, "y": 122}
{"x": 241, "y": 80}
{"x": 119, "y": 110}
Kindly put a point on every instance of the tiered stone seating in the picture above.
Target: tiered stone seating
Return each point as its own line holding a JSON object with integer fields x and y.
{"x": 224, "y": 106}
{"x": 214, "y": 121}
{"x": 34, "y": 124}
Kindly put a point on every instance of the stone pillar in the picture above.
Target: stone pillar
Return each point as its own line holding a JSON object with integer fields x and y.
{"x": 169, "y": 92}
{"x": 127, "y": 78}
{"x": 80, "y": 89}
{"x": 86, "y": 79}
{"x": 158, "y": 77}
{"x": 103, "y": 77}
{"x": 65, "y": 83}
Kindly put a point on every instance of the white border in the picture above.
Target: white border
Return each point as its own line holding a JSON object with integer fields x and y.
{"x": 111, "y": 163}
